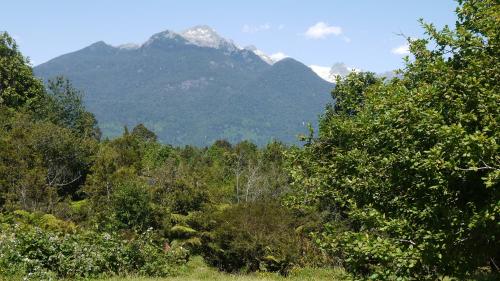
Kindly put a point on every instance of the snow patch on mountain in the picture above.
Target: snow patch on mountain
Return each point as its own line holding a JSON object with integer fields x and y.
{"x": 167, "y": 34}
{"x": 322, "y": 71}
{"x": 205, "y": 36}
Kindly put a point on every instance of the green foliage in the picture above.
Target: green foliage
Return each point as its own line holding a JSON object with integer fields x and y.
{"x": 18, "y": 85}
{"x": 131, "y": 206}
{"x": 40, "y": 161}
{"x": 402, "y": 182}
{"x": 114, "y": 181}
{"x": 250, "y": 237}
{"x": 138, "y": 206}
{"x": 42, "y": 254}
{"x": 349, "y": 92}
{"x": 41, "y": 220}
{"x": 409, "y": 174}
{"x": 144, "y": 134}
{"x": 63, "y": 106}
{"x": 182, "y": 231}
{"x": 47, "y": 137}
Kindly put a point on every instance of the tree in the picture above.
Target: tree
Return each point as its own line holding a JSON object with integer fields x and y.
{"x": 409, "y": 176}
{"x": 131, "y": 206}
{"x": 144, "y": 134}
{"x": 250, "y": 237}
{"x": 18, "y": 86}
{"x": 63, "y": 105}
{"x": 117, "y": 164}
{"x": 47, "y": 136}
{"x": 349, "y": 92}
{"x": 40, "y": 163}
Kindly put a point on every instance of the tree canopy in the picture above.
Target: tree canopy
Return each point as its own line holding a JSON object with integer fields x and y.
{"x": 408, "y": 170}
{"x": 18, "y": 85}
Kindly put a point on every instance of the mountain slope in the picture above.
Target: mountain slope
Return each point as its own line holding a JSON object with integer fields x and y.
{"x": 193, "y": 88}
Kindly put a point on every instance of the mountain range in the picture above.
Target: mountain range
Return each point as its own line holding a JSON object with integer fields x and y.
{"x": 194, "y": 87}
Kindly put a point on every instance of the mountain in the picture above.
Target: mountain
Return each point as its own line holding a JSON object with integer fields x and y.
{"x": 194, "y": 87}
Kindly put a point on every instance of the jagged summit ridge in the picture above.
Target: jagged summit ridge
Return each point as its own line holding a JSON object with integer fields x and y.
{"x": 200, "y": 35}
{"x": 205, "y": 36}
{"x": 167, "y": 34}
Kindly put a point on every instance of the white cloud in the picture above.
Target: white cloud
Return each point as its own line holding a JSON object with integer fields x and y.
{"x": 278, "y": 56}
{"x": 253, "y": 29}
{"x": 281, "y": 27}
{"x": 321, "y": 30}
{"x": 401, "y": 50}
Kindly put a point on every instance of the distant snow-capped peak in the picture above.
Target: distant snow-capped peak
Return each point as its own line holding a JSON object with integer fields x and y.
{"x": 330, "y": 73}
{"x": 205, "y": 36}
{"x": 167, "y": 34}
{"x": 323, "y": 72}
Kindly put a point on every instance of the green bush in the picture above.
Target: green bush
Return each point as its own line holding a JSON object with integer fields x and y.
{"x": 251, "y": 237}
{"x": 38, "y": 253}
{"x": 131, "y": 206}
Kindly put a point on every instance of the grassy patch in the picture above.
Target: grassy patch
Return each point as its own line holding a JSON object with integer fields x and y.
{"x": 197, "y": 270}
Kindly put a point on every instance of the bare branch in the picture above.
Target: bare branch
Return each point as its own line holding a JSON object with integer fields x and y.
{"x": 407, "y": 241}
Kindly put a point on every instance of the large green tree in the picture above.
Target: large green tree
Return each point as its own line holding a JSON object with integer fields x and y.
{"x": 18, "y": 85}
{"x": 63, "y": 106}
{"x": 408, "y": 171}
{"x": 40, "y": 163}
{"x": 47, "y": 138}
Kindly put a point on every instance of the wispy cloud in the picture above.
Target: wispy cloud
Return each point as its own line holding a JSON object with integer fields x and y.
{"x": 401, "y": 50}
{"x": 322, "y": 30}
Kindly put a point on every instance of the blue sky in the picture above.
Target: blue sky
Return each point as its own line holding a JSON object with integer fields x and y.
{"x": 360, "y": 33}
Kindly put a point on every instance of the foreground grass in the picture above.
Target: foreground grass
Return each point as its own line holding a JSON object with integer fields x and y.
{"x": 197, "y": 270}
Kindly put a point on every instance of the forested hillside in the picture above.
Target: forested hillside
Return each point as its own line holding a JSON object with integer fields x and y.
{"x": 193, "y": 90}
{"x": 401, "y": 182}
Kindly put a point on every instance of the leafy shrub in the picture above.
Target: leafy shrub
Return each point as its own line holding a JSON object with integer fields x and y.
{"x": 250, "y": 237}
{"x": 132, "y": 206}
{"x": 37, "y": 253}
{"x": 41, "y": 220}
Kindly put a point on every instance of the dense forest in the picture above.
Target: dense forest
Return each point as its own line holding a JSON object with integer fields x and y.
{"x": 401, "y": 181}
